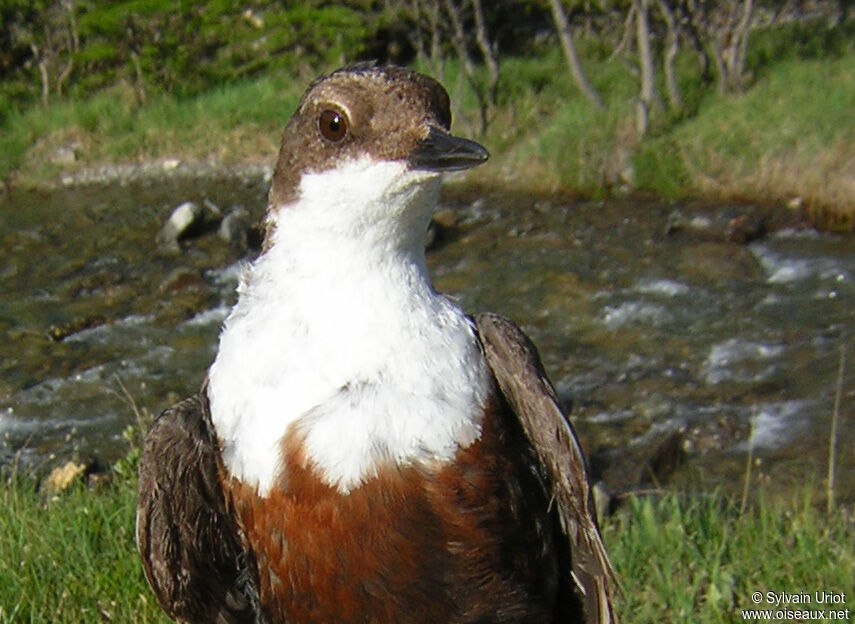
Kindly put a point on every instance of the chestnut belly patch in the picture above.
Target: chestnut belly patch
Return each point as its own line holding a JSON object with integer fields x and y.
{"x": 469, "y": 540}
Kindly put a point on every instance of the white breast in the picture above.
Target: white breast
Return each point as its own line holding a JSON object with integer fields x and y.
{"x": 339, "y": 333}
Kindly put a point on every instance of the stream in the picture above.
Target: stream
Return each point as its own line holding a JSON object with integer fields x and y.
{"x": 683, "y": 336}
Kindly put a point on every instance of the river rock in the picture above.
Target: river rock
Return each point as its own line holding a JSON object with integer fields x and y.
{"x": 442, "y": 224}
{"x": 212, "y": 209}
{"x": 64, "y": 155}
{"x": 713, "y": 435}
{"x": 669, "y": 455}
{"x": 729, "y": 224}
{"x": 715, "y": 262}
{"x": 62, "y": 477}
{"x": 183, "y": 221}
{"x": 182, "y": 279}
{"x": 58, "y": 333}
{"x": 745, "y": 228}
{"x": 235, "y": 229}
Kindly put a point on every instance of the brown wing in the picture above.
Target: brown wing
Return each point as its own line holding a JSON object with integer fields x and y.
{"x": 190, "y": 546}
{"x": 521, "y": 378}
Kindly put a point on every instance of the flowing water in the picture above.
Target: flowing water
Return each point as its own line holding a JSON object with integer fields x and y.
{"x": 650, "y": 319}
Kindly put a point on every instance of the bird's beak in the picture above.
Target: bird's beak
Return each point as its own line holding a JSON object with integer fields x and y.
{"x": 439, "y": 151}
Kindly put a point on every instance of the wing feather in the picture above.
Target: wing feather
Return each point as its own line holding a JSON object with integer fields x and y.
{"x": 516, "y": 365}
{"x": 190, "y": 546}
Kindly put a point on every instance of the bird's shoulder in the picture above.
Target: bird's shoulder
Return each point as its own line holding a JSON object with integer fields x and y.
{"x": 588, "y": 579}
{"x": 188, "y": 539}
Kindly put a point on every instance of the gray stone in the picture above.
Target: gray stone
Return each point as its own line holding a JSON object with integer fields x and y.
{"x": 733, "y": 224}
{"x": 441, "y": 224}
{"x": 716, "y": 262}
{"x": 64, "y": 155}
{"x": 669, "y": 455}
{"x": 235, "y": 229}
{"x": 182, "y": 222}
{"x": 212, "y": 208}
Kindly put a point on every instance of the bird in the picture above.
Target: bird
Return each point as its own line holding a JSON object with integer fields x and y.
{"x": 361, "y": 449}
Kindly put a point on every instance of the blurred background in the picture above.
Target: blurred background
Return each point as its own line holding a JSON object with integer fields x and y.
{"x": 732, "y": 99}
{"x": 667, "y": 211}
{"x": 661, "y": 211}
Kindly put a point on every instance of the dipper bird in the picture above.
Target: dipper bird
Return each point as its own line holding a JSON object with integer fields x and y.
{"x": 362, "y": 451}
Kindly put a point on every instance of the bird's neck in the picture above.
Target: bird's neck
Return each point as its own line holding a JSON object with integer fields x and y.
{"x": 353, "y": 241}
{"x": 338, "y": 335}
{"x": 369, "y": 210}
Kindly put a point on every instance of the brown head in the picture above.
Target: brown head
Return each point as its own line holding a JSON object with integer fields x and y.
{"x": 382, "y": 113}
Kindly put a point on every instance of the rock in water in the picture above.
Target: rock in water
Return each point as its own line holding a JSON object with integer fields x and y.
{"x": 183, "y": 220}
{"x": 235, "y": 229}
{"x": 443, "y": 222}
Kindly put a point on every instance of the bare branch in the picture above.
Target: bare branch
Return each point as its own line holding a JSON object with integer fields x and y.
{"x": 626, "y": 38}
{"x": 645, "y": 53}
{"x": 569, "y": 48}
{"x": 739, "y": 46}
{"x": 458, "y": 39}
{"x": 488, "y": 51}
{"x": 673, "y": 47}
{"x": 43, "y": 72}
{"x": 723, "y": 30}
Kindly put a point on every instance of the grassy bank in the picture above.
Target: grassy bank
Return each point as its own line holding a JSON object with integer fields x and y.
{"x": 71, "y": 558}
{"x": 694, "y": 558}
{"x": 789, "y": 138}
{"x": 236, "y": 124}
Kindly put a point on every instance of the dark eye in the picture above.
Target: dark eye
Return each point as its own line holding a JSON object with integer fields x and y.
{"x": 333, "y": 126}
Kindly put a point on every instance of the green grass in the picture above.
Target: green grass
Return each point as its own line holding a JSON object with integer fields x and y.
{"x": 798, "y": 109}
{"x": 698, "y": 560}
{"x": 790, "y": 135}
{"x": 561, "y": 141}
{"x": 71, "y": 558}
{"x": 234, "y": 123}
{"x": 694, "y": 559}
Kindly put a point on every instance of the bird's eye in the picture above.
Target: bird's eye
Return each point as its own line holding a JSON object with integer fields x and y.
{"x": 333, "y": 126}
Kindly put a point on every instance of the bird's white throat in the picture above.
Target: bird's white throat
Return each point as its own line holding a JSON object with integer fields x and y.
{"x": 338, "y": 332}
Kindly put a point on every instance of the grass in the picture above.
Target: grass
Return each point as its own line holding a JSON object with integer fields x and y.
{"x": 233, "y": 124}
{"x": 72, "y": 558}
{"x": 789, "y": 137}
{"x": 780, "y": 139}
{"x": 777, "y": 142}
{"x": 699, "y": 560}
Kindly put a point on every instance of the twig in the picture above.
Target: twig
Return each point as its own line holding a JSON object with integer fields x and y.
{"x": 642, "y": 492}
{"x": 745, "y": 487}
{"x": 126, "y": 397}
{"x": 832, "y": 436}
{"x": 624, "y": 43}
{"x": 565, "y": 38}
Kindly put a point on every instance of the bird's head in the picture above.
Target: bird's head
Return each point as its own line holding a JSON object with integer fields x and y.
{"x": 366, "y": 148}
